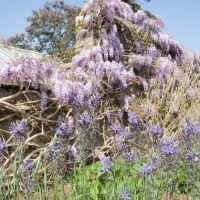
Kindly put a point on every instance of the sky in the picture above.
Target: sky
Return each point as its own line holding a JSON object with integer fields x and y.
{"x": 181, "y": 17}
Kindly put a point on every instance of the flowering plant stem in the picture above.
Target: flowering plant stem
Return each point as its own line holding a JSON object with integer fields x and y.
{"x": 167, "y": 179}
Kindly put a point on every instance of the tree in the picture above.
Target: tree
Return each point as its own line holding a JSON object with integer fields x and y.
{"x": 19, "y": 40}
{"x": 51, "y": 30}
{"x": 136, "y": 7}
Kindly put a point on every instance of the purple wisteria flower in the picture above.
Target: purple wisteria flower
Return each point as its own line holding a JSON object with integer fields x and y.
{"x": 3, "y": 146}
{"x": 151, "y": 51}
{"x": 87, "y": 20}
{"x": 106, "y": 163}
{"x": 168, "y": 146}
{"x": 126, "y": 192}
{"x": 19, "y": 126}
{"x": 81, "y": 33}
{"x": 44, "y": 100}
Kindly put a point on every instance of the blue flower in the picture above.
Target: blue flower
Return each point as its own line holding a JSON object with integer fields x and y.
{"x": 169, "y": 147}
{"x": 120, "y": 114}
{"x": 126, "y": 192}
{"x": 155, "y": 129}
{"x": 145, "y": 169}
{"x": 63, "y": 130}
{"x": 28, "y": 185}
{"x": 84, "y": 119}
{"x": 115, "y": 128}
{"x": 107, "y": 114}
{"x": 27, "y": 166}
{"x": 132, "y": 118}
{"x": 124, "y": 136}
{"x": 19, "y": 126}
{"x": 2, "y": 146}
{"x": 191, "y": 127}
{"x": 153, "y": 163}
{"x": 192, "y": 155}
{"x": 106, "y": 163}
{"x": 73, "y": 154}
{"x": 44, "y": 100}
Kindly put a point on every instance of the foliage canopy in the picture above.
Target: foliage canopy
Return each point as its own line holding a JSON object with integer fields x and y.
{"x": 51, "y": 30}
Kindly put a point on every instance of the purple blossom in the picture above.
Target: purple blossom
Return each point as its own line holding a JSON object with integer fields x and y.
{"x": 84, "y": 119}
{"x": 3, "y": 146}
{"x": 120, "y": 114}
{"x": 28, "y": 185}
{"x": 191, "y": 127}
{"x": 52, "y": 150}
{"x": 142, "y": 82}
{"x": 126, "y": 192}
{"x": 27, "y": 166}
{"x": 93, "y": 103}
{"x": 145, "y": 23}
{"x": 139, "y": 17}
{"x": 79, "y": 100}
{"x": 128, "y": 156}
{"x": 139, "y": 61}
{"x": 19, "y": 126}
{"x": 44, "y": 100}
{"x": 107, "y": 113}
{"x": 155, "y": 130}
{"x": 111, "y": 8}
{"x": 192, "y": 155}
{"x": 151, "y": 51}
{"x": 63, "y": 130}
{"x": 153, "y": 163}
{"x": 106, "y": 163}
{"x": 132, "y": 118}
{"x": 137, "y": 46}
{"x": 87, "y": 20}
{"x": 148, "y": 109}
{"x": 145, "y": 169}
{"x": 169, "y": 147}
{"x": 81, "y": 33}
{"x": 73, "y": 154}
{"x": 170, "y": 46}
{"x": 124, "y": 136}
{"x": 70, "y": 123}
{"x": 54, "y": 146}
{"x": 116, "y": 128}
